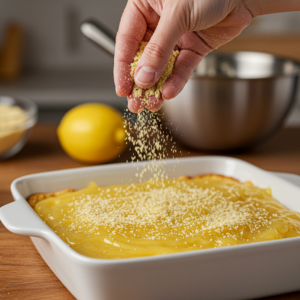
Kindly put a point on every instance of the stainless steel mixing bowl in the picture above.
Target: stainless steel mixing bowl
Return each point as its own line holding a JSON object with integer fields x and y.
{"x": 232, "y": 101}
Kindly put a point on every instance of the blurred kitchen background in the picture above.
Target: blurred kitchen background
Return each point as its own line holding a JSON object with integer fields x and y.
{"x": 48, "y": 60}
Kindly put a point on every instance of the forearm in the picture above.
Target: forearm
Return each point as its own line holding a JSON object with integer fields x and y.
{"x": 264, "y": 7}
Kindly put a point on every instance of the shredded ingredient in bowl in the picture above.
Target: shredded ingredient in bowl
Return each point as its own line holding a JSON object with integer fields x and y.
{"x": 11, "y": 120}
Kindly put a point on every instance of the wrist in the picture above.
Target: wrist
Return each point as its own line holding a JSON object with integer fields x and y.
{"x": 264, "y": 7}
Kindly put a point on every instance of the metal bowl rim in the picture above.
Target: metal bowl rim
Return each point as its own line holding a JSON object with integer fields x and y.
{"x": 278, "y": 57}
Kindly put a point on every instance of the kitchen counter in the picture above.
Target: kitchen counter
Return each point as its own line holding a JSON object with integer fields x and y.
{"x": 23, "y": 273}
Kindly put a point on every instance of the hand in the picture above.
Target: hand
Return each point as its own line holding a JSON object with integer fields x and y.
{"x": 195, "y": 27}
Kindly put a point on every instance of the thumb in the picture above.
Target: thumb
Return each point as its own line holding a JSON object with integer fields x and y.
{"x": 156, "y": 55}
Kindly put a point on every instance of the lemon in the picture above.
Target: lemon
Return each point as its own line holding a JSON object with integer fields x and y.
{"x": 92, "y": 133}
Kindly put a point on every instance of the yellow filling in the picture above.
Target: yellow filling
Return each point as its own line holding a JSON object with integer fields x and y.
{"x": 169, "y": 216}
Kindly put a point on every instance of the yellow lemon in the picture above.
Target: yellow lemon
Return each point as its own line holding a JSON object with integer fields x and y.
{"x": 92, "y": 133}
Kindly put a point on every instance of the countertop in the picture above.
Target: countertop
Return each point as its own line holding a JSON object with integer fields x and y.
{"x": 23, "y": 273}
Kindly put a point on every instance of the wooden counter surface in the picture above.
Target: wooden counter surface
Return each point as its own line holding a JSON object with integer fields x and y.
{"x": 23, "y": 273}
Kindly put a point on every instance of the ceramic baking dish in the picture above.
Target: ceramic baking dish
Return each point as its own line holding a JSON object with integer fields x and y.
{"x": 235, "y": 272}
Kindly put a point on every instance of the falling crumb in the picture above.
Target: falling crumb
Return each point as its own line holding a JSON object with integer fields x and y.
{"x": 150, "y": 140}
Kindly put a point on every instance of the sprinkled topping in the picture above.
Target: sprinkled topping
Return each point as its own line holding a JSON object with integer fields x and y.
{"x": 149, "y": 139}
{"x": 167, "y": 216}
{"x": 180, "y": 208}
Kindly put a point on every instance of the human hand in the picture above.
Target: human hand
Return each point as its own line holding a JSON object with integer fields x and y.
{"x": 195, "y": 27}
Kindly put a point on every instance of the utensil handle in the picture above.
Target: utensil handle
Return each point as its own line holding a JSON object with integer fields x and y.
{"x": 13, "y": 218}
{"x": 100, "y": 35}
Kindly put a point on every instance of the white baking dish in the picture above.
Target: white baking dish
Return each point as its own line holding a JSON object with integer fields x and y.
{"x": 236, "y": 272}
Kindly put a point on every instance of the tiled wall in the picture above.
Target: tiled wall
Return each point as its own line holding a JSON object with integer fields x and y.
{"x": 53, "y": 40}
{"x": 52, "y": 32}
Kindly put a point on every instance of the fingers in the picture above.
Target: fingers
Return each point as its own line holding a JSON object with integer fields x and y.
{"x": 191, "y": 41}
{"x": 135, "y": 105}
{"x": 193, "y": 48}
{"x": 147, "y": 35}
{"x": 185, "y": 64}
{"x": 157, "y": 53}
{"x": 154, "y": 104}
{"x": 131, "y": 32}
{"x": 173, "y": 28}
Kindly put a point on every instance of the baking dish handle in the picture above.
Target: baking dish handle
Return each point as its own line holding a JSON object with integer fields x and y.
{"x": 15, "y": 220}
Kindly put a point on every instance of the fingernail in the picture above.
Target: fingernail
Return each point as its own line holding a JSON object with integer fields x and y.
{"x": 145, "y": 75}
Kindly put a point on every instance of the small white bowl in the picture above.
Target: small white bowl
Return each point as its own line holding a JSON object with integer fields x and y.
{"x": 14, "y": 138}
{"x": 236, "y": 272}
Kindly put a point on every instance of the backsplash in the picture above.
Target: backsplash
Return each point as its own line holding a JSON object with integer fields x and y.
{"x": 53, "y": 40}
{"x": 52, "y": 36}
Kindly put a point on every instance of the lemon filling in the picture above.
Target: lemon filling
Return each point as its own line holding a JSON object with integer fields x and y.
{"x": 169, "y": 216}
